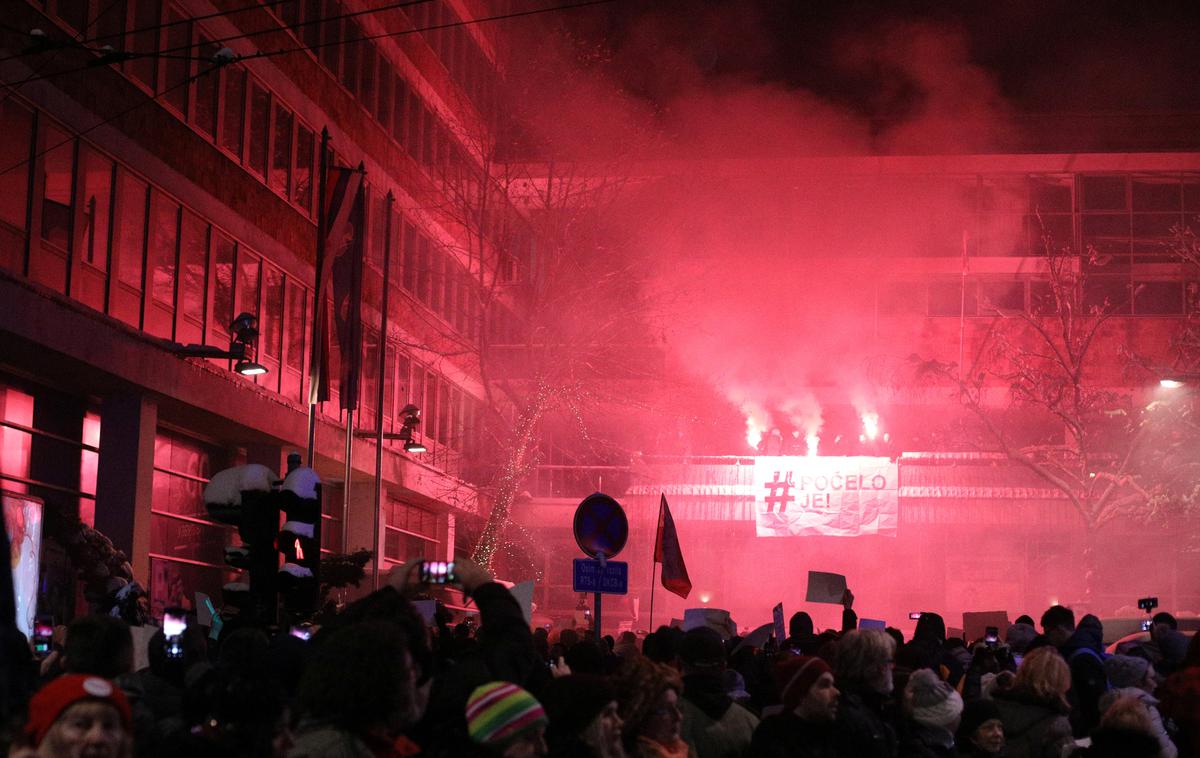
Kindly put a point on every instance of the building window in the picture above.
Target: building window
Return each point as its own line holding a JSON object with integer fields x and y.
{"x": 96, "y": 206}
{"x": 187, "y": 549}
{"x": 233, "y": 109}
{"x": 58, "y": 176}
{"x": 15, "y": 149}
{"x": 410, "y": 532}
{"x": 281, "y": 152}
{"x": 193, "y": 265}
{"x": 260, "y": 114}
{"x": 224, "y": 251}
{"x": 131, "y": 228}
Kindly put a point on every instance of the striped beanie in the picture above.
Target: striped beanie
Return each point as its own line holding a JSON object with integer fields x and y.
{"x": 499, "y": 711}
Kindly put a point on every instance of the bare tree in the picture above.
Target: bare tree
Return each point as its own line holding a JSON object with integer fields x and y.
{"x": 1041, "y": 385}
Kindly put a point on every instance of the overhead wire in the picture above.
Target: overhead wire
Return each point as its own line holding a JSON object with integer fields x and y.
{"x": 110, "y": 119}
{"x": 283, "y": 51}
{"x": 117, "y": 56}
{"x": 166, "y": 53}
{"x": 46, "y": 63}
{"x": 140, "y": 30}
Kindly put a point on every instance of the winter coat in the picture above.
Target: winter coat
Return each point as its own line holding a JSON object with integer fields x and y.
{"x": 1032, "y": 729}
{"x": 1119, "y": 743}
{"x": 1084, "y": 654}
{"x": 924, "y": 742}
{"x": 1167, "y": 748}
{"x": 714, "y": 725}
{"x": 1179, "y": 702}
{"x": 863, "y": 728}
{"x": 786, "y": 735}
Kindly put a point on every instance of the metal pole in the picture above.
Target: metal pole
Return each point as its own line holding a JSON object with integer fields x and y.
{"x": 317, "y": 353}
{"x": 346, "y": 486}
{"x": 383, "y": 330}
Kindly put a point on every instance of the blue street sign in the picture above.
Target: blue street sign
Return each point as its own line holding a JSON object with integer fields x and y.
{"x": 613, "y": 579}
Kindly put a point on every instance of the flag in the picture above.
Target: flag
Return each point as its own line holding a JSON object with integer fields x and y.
{"x": 667, "y": 552}
{"x": 340, "y": 272}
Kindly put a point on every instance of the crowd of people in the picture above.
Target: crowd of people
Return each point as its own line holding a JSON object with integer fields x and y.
{"x": 379, "y": 680}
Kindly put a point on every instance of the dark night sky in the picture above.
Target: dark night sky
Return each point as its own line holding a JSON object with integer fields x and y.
{"x": 1045, "y": 56}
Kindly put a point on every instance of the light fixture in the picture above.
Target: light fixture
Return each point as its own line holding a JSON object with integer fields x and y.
{"x": 1170, "y": 384}
{"x": 410, "y": 416}
{"x": 244, "y": 336}
{"x": 249, "y": 368}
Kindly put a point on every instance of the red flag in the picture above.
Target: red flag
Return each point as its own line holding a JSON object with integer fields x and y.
{"x": 667, "y": 552}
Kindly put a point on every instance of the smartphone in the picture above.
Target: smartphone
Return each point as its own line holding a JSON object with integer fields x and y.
{"x": 437, "y": 572}
{"x": 302, "y": 632}
{"x": 174, "y": 624}
{"x": 1147, "y": 624}
{"x": 915, "y": 615}
{"x": 1147, "y": 604}
{"x": 43, "y": 636}
{"x": 991, "y": 635}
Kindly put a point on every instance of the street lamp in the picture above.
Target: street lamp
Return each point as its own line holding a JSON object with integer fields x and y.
{"x": 244, "y": 331}
{"x": 410, "y": 416}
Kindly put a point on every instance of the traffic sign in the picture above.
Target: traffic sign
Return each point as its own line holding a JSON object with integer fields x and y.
{"x": 590, "y": 576}
{"x": 601, "y": 527}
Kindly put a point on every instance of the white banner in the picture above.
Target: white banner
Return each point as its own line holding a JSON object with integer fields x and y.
{"x": 836, "y": 497}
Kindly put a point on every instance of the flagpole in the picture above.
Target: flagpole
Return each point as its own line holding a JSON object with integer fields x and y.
{"x": 654, "y": 559}
{"x": 383, "y": 330}
{"x": 653, "y": 571}
{"x": 314, "y": 377}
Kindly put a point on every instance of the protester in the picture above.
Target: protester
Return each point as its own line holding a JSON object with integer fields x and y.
{"x": 713, "y": 724}
{"x": 1170, "y": 643}
{"x": 1123, "y": 732}
{"x": 1084, "y": 653}
{"x": 585, "y": 720}
{"x": 358, "y": 694}
{"x": 933, "y": 709}
{"x": 804, "y": 728}
{"x": 1179, "y": 700}
{"x": 1133, "y": 677}
{"x": 981, "y": 732}
{"x": 800, "y": 634}
{"x": 77, "y": 715}
{"x": 648, "y": 694}
{"x": 863, "y": 671}
{"x": 506, "y": 721}
{"x": 1034, "y": 710}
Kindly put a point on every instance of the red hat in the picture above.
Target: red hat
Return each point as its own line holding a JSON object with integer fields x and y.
{"x": 795, "y": 675}
{"x": 60, "y": 694}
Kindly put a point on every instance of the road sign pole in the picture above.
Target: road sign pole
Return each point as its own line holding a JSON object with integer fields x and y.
{"x": 596, "y": 618}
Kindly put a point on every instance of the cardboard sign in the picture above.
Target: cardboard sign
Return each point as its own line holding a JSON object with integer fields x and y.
{"x": 976, "y": 622}
{"x": 756, "y": 638}
{"x": 872, "y": 624}
{"x": 824, "y": 587}
{"x": 523, "y": 593}
{"x": 780, "y": 629}
{"x": 716, "y": 619}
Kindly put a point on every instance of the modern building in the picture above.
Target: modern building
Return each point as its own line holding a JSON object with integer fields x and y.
{"x": 160, "y": 177}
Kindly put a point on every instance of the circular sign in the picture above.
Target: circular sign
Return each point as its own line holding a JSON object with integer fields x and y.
{"x": 600, "y": 526}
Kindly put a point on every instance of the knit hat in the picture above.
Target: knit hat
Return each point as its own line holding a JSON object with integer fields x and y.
{"x": 702, "y": 646}
{"x": 931, "y": 701}
{"x": 794, "y": 676}
{"x": 60, "y": 694}
{"x": 1126, "y": 670}
{"x": 499, "y": 711}
{"x": 974, "y": 715}
{"x": 1019, "y": 635}
{"x": 573, "y": 702}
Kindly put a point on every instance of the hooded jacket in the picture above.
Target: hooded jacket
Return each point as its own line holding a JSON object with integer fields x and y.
{"x": 1032, "y": 728}
{"x": 1084, "y": 654}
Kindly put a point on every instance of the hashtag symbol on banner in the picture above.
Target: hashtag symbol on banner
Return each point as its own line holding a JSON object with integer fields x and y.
{"x": 779, "y": 493}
